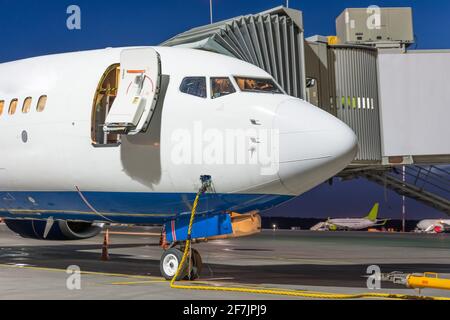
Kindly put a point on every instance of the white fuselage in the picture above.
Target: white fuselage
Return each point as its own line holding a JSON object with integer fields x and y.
{"x": 433, "y": 226}
{"x": 353, "y": 224}
{"x": 57, "y": 155}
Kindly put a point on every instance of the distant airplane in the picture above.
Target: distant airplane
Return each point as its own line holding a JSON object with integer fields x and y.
{"x": 352, "y": 224}
{"x": 433, "y": 226}
{"x": 124, "y": 135}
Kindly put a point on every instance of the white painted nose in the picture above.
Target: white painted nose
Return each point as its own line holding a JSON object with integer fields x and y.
{"x": 314, "y": 145}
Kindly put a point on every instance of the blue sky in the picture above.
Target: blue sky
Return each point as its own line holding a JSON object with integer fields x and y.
{"x": 30, "y": 28}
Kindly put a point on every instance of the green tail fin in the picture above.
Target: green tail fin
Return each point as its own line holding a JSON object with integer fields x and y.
{"x": 373, "y": 215}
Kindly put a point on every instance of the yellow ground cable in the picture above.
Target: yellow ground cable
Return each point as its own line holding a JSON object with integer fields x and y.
{"x": 299, "y": 294}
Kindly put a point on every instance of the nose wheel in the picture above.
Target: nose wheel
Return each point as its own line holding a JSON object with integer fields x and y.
{"x": 171, "y": 260}
{"x": 197, "y": 265}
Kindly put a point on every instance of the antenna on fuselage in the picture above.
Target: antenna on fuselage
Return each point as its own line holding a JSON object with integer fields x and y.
{"x": 211, "y": 11}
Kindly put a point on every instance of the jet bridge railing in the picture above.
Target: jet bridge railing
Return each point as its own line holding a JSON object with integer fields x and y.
{"x": 431, "y": 179}
{"x": 429, "y": 185}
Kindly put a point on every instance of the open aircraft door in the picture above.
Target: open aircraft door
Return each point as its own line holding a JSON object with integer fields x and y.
{"x": 138, "y": 92}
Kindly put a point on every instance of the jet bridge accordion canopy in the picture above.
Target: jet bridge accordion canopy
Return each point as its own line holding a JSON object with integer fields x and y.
{"x": 272, "y": 40}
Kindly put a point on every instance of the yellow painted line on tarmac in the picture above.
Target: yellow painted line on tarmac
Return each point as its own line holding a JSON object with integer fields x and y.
{"x": 105, "y": 274}
{"x": 132, "y": 283}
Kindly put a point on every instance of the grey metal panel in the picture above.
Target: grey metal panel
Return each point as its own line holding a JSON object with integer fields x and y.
{"x": 354, "y": 77}
{"x": 272, "y": 40}
{"x": 332, "y": 83}
{"x": 301, "y": 65}
{"x": 295, "y": 74}
{"x": 256, "y": 43}
{"x": 364, "y": 90}
{"x": 415, "y": 103}
{"x": 287, "y": 58}
{"x": 226, "y": 42}
{"x": 273, "y": 57}
{"x": 236, "y": 31}
{"x": 396, "y": 26}
{"x": 229, "y": 34}
{"x": 264, "y": 45}
{"x": 376, "y": 126}
{"x": 245, "y": 39}
{"x": 278, "y": 50}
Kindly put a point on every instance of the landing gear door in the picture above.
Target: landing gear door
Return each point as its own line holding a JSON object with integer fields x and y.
{"x": 133, "y": 108}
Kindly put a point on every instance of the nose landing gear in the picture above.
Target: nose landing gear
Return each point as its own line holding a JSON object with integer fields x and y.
{"x": 186, "y": 263}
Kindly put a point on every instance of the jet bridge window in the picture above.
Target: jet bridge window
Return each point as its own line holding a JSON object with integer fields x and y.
{"x": 257, "y": 85}
{"x": 195, "y": 86}
{"x": 105, "y": 95}
{"x": 221, "y": 87}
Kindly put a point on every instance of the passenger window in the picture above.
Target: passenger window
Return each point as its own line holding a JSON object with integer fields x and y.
{"x": 221, "y": 87}
{"x": 12, "y": 107}
{"x": 41, "y": 104}
{"x": 195, "y": 86}
{"x": 27, "y": 105}
{"x": 2, "y": 106}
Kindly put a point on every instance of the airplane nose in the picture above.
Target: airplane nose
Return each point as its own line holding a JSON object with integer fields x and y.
{"x": 314, "y": 145}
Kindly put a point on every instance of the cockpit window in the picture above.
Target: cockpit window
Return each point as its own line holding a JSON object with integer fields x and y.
{"x": 257, "y": 85}
{"x": 221, "y": 87}
{"x": 195, "y": 86}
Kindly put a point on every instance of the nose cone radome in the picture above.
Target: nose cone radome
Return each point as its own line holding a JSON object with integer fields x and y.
{"x": 314, "y": 145}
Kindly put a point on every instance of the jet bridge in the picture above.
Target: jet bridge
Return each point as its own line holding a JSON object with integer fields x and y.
{"x": 395, "y": 100}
